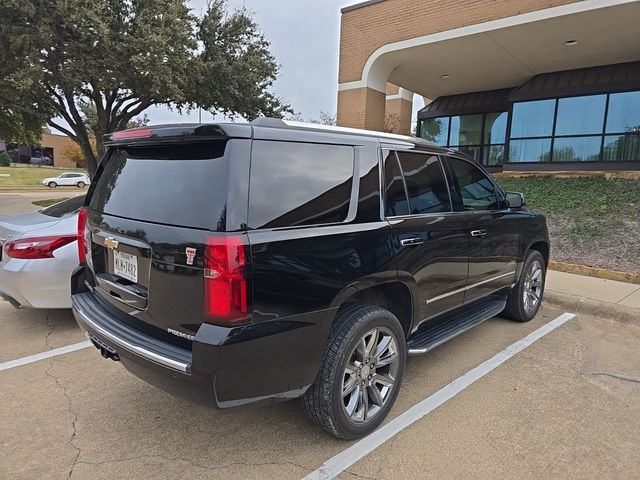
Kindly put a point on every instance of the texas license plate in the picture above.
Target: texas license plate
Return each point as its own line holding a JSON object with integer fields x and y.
{"x": 125, "y": 265}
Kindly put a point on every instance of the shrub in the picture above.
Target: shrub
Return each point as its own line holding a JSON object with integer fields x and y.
{"x": 5, "y": 159}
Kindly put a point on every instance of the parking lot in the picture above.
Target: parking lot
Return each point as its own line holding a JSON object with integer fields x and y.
{"x": 566, "y": 406}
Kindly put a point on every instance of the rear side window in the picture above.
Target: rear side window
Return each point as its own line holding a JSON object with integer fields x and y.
{"x": 183, "y": 185}
{"x": 420, "y": 188}
{"x": 476, "y": 189}
{"x": 295, "y": 184}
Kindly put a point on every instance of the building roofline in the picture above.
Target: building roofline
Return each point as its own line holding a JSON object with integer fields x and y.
{"x": 359, "y": 5}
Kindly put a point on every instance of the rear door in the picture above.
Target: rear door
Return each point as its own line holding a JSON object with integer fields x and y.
{"x": 430, "y": 240}
{"x": 493, "y": 230}
{"x": 151, "y": 211}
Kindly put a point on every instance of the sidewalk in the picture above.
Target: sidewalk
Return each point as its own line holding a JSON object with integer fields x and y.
{"x": 579, "y": 287}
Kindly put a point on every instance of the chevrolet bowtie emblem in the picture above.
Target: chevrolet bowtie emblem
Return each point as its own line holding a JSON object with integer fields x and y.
{"x": 111, "y": 243}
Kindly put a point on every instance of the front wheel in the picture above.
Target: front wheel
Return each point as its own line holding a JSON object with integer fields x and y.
{"x": 525, "y": 298}
{"x": 52, "y": 184}
{"x": 361, "y": 373}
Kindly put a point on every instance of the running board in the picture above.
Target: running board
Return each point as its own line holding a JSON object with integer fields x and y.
{"x": 451, "y": 324}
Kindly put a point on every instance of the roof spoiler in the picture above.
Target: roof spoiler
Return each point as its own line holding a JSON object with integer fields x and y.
{"x": 183, "y": 132}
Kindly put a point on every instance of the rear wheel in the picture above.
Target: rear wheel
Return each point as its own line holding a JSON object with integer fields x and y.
{"x": 52, "y": 184}
{"x": 361, "y": 373}
{"x": 81, "y": 184}
{"x": 525, "y": 298}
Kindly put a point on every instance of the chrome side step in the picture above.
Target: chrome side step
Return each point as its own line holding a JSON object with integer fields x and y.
{"x": 438, "y": 331}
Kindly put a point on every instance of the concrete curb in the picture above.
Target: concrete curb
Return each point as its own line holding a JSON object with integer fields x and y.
{"x": 588, "y": 306}
{"x": 595, "y": 272}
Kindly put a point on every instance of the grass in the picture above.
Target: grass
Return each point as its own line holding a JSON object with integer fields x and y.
{"x": 28, "y": 177}
{"x": 48, "y": 202}
{"x": 592, "y": 220}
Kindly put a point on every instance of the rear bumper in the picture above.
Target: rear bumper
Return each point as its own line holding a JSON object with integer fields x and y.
{"x": 226, "y": 367}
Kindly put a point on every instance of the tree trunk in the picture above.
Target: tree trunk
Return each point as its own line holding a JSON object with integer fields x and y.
{"x": 90, "y": 157}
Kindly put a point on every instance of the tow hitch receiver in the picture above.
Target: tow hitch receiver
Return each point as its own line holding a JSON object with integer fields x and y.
{"x": 105, "y": 350}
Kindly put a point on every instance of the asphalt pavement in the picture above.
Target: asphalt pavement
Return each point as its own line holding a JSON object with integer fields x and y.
{"x": 20, "y": 202}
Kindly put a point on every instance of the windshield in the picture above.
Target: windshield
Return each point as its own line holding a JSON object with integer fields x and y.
{"x": 65, "y": 208}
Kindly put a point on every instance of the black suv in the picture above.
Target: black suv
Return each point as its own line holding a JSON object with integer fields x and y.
{"x": 236, "y": 263}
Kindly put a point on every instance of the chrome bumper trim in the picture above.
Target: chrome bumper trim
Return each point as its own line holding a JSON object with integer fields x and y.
{"x": 135, "y": 349}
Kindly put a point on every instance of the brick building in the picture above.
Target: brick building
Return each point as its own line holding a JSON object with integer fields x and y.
{"x": 51, "y": 151}
{"x": 517, "y": 84}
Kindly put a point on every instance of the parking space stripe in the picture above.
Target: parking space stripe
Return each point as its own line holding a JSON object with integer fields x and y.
{"x": 41, "y": 356}
{"x": 343, "y": 460}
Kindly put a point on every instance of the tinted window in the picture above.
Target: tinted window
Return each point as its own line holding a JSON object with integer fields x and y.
{"x": 183, "y": 185}
{"x": 533, "y": 119}
{"x": 435, "y": 130}
{"x": 580, "y": 115}
{"x": 466, "y": 130}
{"x": 395, "y": 195}
{"x": 426, "y": 185}
{"x": 495, "y": 127}
{"x": 64, "y": 208}
{"x": 538, "y": 150}
{"x": 621, "y": 147}
{"x": 299, "y": 184}
{"x": 576, "y": 149}
{"x": 624, "y": 113}
{"x": 476, "y": 189}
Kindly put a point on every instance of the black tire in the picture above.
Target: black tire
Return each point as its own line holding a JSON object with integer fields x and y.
{"x": 81, "y": 184}
{"x": 516, "y": 308}
{"x": 52, "y": 184}
{"x": 324, "y": 402}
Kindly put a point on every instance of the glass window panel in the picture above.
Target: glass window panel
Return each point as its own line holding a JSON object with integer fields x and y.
{"x": 494, "y": 155}
{"x": 471, "y": 150}
{"x": 287, "y": 188}
{"x": 580, "y": 115}
{"x": 621, "y": 147}
{"x": 532, "y": 119}
{"x": 435, "y": 130}
{"x": 466, "y": 130}
{"x": 476, "y": 190}
{"x": 576, "y": 149}
{"x": 624, "y": 112}
{"x": 395, "y": 195}
{"x": 426, "y": 185}
{"x": 530, "y": 150}
{"x": 495, "y": 128}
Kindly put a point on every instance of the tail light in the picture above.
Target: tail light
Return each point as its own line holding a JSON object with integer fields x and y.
{"x": 36, "y": 247}
{"x": 225, "y": 279}
{"x": 82, "y": 244}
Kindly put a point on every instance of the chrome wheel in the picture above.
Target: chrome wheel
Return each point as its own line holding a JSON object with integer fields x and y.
{"x": 370, "y": 375}
{"x": 532, "y": 291}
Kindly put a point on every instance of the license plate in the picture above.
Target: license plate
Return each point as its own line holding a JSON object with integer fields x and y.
{"x": 125, "y": 265}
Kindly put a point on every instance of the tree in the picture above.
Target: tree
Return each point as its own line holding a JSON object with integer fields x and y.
{"x": 60, "y": 57}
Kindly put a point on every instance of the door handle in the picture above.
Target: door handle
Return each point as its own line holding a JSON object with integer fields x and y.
{"x": 478, "y": 233}
{"x": 411, "y": 242}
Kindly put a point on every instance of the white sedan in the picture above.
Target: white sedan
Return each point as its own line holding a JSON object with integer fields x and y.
{"x": 76, "y": 179}
{"x": 38, "y": 252}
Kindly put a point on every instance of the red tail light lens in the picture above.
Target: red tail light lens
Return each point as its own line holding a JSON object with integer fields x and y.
{"x": 225, "y": 282}
{"x": 82, "y": 247}
{"x": 36, "y": 247}
{"x": 136, "y": 133}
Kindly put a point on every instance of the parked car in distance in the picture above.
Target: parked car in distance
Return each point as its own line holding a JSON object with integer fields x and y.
{"x": 76, "y": 179}
{"x": 286, "y": 261}
{"x": 38, "y": 252}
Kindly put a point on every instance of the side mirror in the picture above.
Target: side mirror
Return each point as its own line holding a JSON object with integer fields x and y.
{"x": 515, "y": 199}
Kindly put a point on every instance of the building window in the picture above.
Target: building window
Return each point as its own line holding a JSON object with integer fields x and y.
{"x": 481, "y": 136}
{"x": 585, "y": 128}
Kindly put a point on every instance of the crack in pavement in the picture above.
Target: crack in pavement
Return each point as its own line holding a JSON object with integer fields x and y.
{"x": 51, "y": 330}
{"x": 63, "y": 388}
{"x": 613, "y": 375}
{"x": 362, "y": 476}
{"x": 194, "y": 464}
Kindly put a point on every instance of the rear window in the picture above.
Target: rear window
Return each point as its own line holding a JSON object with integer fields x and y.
{"x": 183, "y": 185}
{"x": 294, "y": 184}
{"x": 65, "y": 208}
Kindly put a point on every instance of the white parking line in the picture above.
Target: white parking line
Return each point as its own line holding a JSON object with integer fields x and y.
{"x": 41, "y": 356}
{"x": 338, "y": 464}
